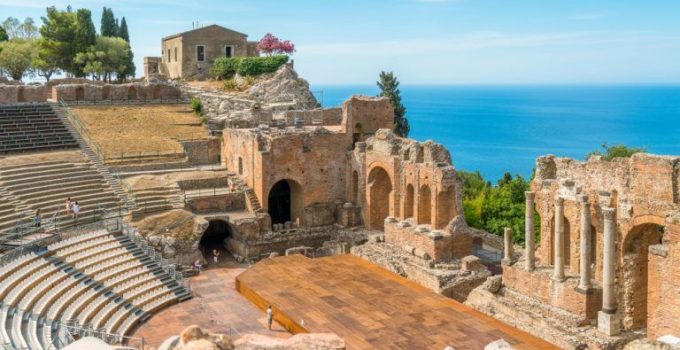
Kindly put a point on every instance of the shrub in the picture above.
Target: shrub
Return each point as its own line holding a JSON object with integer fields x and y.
{"x": 616, "y": 151}
{"x": 230, "y": 85}
{"x": 196, "y": 106}
{"x": 226, "y": 67}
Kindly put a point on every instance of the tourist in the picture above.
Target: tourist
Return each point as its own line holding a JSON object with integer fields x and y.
{"x": 216, "y": 256}
{"x": 270, "y": 317}
{"x": 75, "y": 208}
{"x": 69, "y": 206}
{"x": 198, "y": 266}
{"x": 36, "y": 219}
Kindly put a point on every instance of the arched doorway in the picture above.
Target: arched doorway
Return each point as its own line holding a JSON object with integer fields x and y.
{"x": 424, "y": 205}
{"x": 284, "y": 202}
{"x": 408, "y": 206}
{"x": 380, "y": 191}
{"x": 446, "y": 208}
{"x": 635, "y": 269}
{"x": 214, "y": 237}
{"x": 80, "y": 93}
{"x": 132, "y": 93}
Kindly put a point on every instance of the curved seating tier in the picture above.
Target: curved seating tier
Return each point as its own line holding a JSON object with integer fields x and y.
{"x": 102, "y": 280}
{"x": 30, "y": 128}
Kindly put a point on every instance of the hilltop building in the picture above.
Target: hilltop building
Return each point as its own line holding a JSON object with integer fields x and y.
{"x": 190, "y": 54}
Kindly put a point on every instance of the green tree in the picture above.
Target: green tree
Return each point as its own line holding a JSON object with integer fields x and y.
{"x": 16, "y": 57}
{"x": 107, "y": 57}
{"x": 108, "y": 24}
{"x": 85, "y": 37}
{"x": 44, "y": 64}
{"x": 16, "y": 29}
{"x": 3, "y": 35}
{"x": 610, "y": 152}
{"x": 389, "y": 87}
{"x": 123, "y": 30}
{"x": 57, "y": 38}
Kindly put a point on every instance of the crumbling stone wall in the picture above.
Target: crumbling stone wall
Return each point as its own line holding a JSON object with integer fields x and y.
{"x": 114, "y": 92}
{"x": 17, "y": 93}
{"x": 200, "y": 152}
{"x": 644, "y": 191}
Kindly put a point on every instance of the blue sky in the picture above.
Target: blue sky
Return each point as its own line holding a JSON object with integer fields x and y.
{"x": 429, "y": 41}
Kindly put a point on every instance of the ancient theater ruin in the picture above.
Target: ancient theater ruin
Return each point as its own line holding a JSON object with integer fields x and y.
{"x": 204, "y": 205}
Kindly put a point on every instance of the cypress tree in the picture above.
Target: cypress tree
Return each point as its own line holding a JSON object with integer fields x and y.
{"x": 108, "y": 26}
{"x": 123, "y": 30}
{"x": 3, "y": 34}
{"x": 85, "y": 36}
{"x": 389, "y": 87}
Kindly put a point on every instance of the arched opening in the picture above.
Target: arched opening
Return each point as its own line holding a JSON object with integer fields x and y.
{"x": 214, "y": 237}
{"x": 80, "y": 93}
{"x": 156, "y": 92}
{"x": 424, "y": 205}
{"x": 355, "y": 187}
{"x": 593, "y": 252}
{"x": 284, "y": 202}
{"x": 635, "y": 269}
{"x": 240, "y": 166}
{"x": 380, "y": 191}
{"x": 105, "y": 92}
{"x": 132, "y": 93}
{"x": 408, "y": 206}
{"x": 446, "y": 208}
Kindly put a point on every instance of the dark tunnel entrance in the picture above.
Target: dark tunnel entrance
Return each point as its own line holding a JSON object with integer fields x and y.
{"x": 214, "y": 238}
{"x": 280, "y": 202}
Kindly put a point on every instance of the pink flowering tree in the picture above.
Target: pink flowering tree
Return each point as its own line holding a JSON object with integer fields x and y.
{"x": 270, "y": 44}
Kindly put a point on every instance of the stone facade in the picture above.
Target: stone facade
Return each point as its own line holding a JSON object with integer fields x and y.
{"x": 607, "y": 255}
{"x": 114, "y": 92}
{"x": 191, "y": 54}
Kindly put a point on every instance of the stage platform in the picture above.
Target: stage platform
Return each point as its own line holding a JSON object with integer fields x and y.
{"x": 371, "y": 308}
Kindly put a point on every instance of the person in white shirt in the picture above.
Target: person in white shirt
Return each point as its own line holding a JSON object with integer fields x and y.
{"x": 75, "y": 208}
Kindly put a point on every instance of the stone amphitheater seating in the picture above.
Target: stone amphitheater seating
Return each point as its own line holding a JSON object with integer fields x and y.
{"x": 46, "y": 185}
{"x": 103, "y": 280}
{"x": 32, "y": 127}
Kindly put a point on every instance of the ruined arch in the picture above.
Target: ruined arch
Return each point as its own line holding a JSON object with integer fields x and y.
{"x": 635, "y": 269}
{"x": 215, "y": 236}
{"x": 380, "y": 193}
{"x": 132, "y": 93}
{"x": 80, "y": 93}
{"x": 424, "y": 205}
{"x": 408, "y": 206}
{"x": 446, "y": 207}
{"x": 156, "y": 92}
{"x": 284, "y": 202}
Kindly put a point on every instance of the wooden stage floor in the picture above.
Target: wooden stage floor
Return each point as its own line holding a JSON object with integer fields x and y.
{"x": 371, "y": 308}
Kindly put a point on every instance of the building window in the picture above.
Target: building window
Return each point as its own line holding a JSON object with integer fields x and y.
{"x": 200, "y": 53}
{"x": 168, "y": 55}
{"x": 175, "y": 54}
{"x": 228, "y": 51}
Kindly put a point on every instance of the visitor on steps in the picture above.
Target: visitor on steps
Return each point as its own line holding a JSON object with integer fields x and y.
{"x": 36, "y": 219}
{"x": 75, "y": 208}
{"x": 270, "y": 317}
{"x": 69, "y": 206}
{"x": 216, "y": 256}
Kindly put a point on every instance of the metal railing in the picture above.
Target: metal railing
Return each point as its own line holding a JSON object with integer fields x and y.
{"x": 82, "y": 129}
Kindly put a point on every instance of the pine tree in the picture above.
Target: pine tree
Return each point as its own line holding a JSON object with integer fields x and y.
{"x": 85, "y": 37}
{"x": 389, "y": 87}
{"x": 108, "y": 26}
{"x": 123, "y": 30}
{"x": 56, "y": 38}
{"x": 3, "y": 34}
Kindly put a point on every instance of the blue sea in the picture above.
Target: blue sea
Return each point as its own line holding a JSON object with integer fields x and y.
{"x": 498, "y": 129}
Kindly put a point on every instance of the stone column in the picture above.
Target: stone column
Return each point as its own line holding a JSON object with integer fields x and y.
{"x": 530, "y": 259}
{"x": 558, "y": 244}
{"x": 607, "y": 320}
{"x": 507, "y": 246}
{"x": 584, "y": 281}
